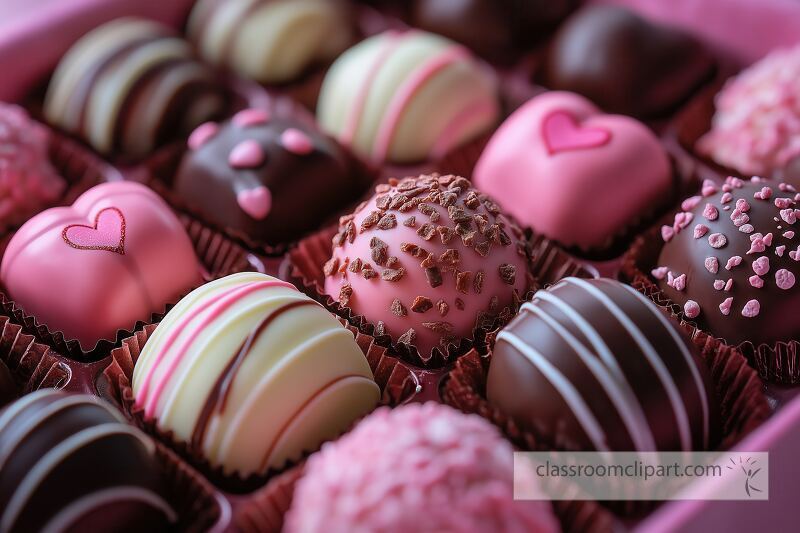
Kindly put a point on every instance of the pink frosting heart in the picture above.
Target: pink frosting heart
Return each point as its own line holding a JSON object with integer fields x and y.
{"x": 116, "y": 256}
{"x": 573, "y": 173}
{"x": 108, "y": 232}
{"x": 561, "y": 132}
{"x": 255, "y": 202}
{"x": 246, "y": 154}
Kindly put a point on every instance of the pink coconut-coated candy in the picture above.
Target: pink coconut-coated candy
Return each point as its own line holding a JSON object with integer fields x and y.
{"x": 420, "y": 467}
{"x": 630, "y": 171}
{"x": 28, "y": 181}
{"x": 691, "y": 309}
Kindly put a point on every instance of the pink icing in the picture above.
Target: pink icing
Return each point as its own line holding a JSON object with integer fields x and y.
{"x": 659, "y": 273}
{"x": 691, "y": 309}
{"x": 751, "y": 309}
{"x": 297, "y": 142}
{"x": 711, "y": 264}
{"x": 725, "y": 306}
{"x": 764, "y": 194}
{"x": 729, "y": 285}
{"x": 746, "y": 228}
{"x": 756, "y": 281}
{"x": 98, "y": 292}
{"x": 202, "y": 134}
{"x": 251, "y": 117}
{"x": 710, "y": 212}
{"x": 631, "y": 172}
{"x": 761, "y": 265}
{"x": 742, "y": 205}
{"x": 700, "y": 230}
{"x": 734, "y": 261}
{"x": 213, "y": 308}
{"x": 256, "y": 202}
{"x": 717, "y": 240}
{"x": 726, "y": 197}
{"x": 783, "y": 203}
{"x": 400, "y": 100}
{"x": 779, "y": 250}
{"x": 107, "y": 233}
{"x": 419, "y": 467}
{"x": 561, "y": 132}
{"x": 788, "y": 234}
{"x": 784, "y": 279}
{"x": 246, "y": 154}
{"x": 719, "y": 284}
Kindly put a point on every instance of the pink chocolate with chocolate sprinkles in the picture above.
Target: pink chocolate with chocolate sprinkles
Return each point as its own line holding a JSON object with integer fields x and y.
{"x": 446, "y": 260}
{"x": 757, "y": 298}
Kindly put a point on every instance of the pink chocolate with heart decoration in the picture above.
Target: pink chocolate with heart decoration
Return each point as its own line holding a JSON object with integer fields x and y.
{"x": 116, "y": 256}
{"x": 573, "y": 173}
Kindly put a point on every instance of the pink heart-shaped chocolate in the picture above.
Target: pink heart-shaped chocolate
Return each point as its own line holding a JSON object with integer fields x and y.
{"x": 256, "y": 202}
{"x": 561, "y": 132}
{"x": 108, "y": 232}
{"x": 114, "y": 257}
{"x": 573, "y": 173}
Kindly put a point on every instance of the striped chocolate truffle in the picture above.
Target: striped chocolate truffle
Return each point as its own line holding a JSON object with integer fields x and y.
{"x": 404, "y": 97}
{"x": 270, "y": 41}
{"x": 129, "y": 86}
{"x": 69, "y": 462}
{"x": 598, "y": 366}
{"x": 252, "y": 373}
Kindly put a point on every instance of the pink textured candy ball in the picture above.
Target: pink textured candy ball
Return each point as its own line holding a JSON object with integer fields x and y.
{"x": 421, "y": 467}
{"x": 429, "y": 256}
{"x": 28, "y": 181}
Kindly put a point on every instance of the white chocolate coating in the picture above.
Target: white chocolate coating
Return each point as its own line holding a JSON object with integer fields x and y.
{"x": 268, "y": 41}
{"x": 294, "y": 376}
{"x": 407, "y": 97}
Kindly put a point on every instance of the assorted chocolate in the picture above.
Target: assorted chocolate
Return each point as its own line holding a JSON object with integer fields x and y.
{"x": 270, "y": 179}
{"x": 129, "y": 86}
{"x": 70, "y": 462}
{"x": 594, "y": 365}
{"x": 731, "y": 259}
{"x": 624, "y": 63}
{"x": 427, "y": 260}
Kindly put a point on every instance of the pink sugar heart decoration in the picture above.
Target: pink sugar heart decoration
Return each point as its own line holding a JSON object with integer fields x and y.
{"x": 250, "y": 117}
{"x": 202, "y": 134}
{"x": 246, "y": 154}
{"x": 297, "y": 142}
{"x": 255, "y": 202}
{"x": 561, "y": 132}
{"x": 107, "y": 233}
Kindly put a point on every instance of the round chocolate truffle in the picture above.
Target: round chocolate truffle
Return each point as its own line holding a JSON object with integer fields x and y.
{"x": 730, "y": 260}
{"x": 8, "y": 387}
{"x": 69, "y": 462}
{"x": 270, "y": 41}
{"x": 600, "y": 367}
{"x": 28, "y": 181}
{"x": 756, "y": 124}
{"x": 404, "y": 97}
{"x": 426, "y": 259}
{"x": 419, "y": 467}
{"x": 129, "y": 86}
{"x": 114, "y": 257}
{"x": 271, "y": 179}
{"x": 624, "y": 63}
{"x": 251, "y": 373}
{"x": 496, "y": 29}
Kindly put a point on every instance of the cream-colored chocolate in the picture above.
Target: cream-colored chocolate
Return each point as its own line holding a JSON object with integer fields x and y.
{"x": 406, "y": 97}
{"x": 270, "y": 41}
{"x": 295, "y": 376}
{"x": 127, "y": 84}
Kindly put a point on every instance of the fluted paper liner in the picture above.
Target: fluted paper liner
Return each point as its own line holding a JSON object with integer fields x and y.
{"x": 396, "y": 381}
{"x": 34, "y": 366}
{"x": 778, "y": 362}
{"x": 218, "y": 257}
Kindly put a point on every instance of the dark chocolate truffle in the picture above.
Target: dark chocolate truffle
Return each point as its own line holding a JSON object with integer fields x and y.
{"x": 494, "y": 29}
{"x": 8, "y": 387}
{"x": 69, "y": 462}
{"x": 601, "y": 367}
{"x": 731, "y": 261}
{"x": 626, "y": 64}
{"x": 271, "y": 179}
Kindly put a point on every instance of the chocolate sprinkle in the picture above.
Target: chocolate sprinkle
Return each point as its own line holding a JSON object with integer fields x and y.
{"x": 393, "y": 274}
{"x": 428, "y": 262}
{"x": 445, "y": 234}
{"x": 331, "y": 266}
{"x": 439, "y": 327}
{"x": 421, "y": 304}
{"x": 356, "y": 265}
{"x": 434, "y": 276}
{"x": 345, "y": 293}
{"x": 462, "y": 281}
{"x": 397, "y": 308}
{"x": 508, "y": 273}
{"x": 426, "y": 231}
{"x": 459, "y": 304}
{"x": 379, "y": 250}
{"x": 370, "y": 220}
{"x": 408, "y": 337}
{"x": 410, "y": 222}
{"x": 477, "y": 283}
{"x": 368, "y": 272}
{"x": 380, "y": 329}
{"x": 443, "y": 308}
{"x": 450, "y": 257}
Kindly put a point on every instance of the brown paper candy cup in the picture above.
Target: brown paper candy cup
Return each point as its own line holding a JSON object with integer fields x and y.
{"x": 778, "y": 362}
{"x": 218, "y": 256}
{"x": 397, "y": 383}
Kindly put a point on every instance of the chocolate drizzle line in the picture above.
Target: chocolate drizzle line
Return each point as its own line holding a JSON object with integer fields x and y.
{"x": 218, "y": 396}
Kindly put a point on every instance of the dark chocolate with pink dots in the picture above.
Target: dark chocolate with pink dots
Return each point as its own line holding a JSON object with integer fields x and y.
{"x": 731, "y": 259}
{"x": 272, "y": 179}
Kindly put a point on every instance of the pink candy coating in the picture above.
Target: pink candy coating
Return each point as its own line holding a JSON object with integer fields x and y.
{"x": 540, "y": 188}
{"x": 28, "y": 181}
{"x": 417, "y": 467}
{"x": 114, "y": 257}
